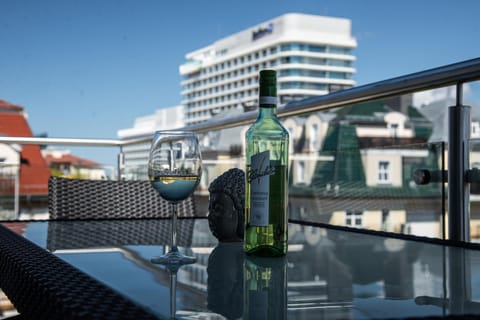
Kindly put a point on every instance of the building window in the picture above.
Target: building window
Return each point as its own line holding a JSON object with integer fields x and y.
{"x": 393, "y": 129}
{"x": 475, "y": 129}
{"x": 314, "y": 137}
{"x": 354, "y": 219}
{"x": 302, "y": 211}
{"x": 383, "y": 172}
{"x": 301, "y": 172}
{"x": 339, "y": 75}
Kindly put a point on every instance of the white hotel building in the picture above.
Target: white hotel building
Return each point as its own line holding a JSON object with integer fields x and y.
{"x": 312, "y": 56}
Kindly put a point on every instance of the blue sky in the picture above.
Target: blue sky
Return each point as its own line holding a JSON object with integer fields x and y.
{"x": 87, "y": 68}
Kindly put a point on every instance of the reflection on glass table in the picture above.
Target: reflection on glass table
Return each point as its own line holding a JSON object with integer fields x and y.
{"x": 330, "y": 273}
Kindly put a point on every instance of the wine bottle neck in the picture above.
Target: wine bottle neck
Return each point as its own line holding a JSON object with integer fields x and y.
{"x": 267, "y": 100}
{"x": 267, "y": 110}
{"x": 267, "y": 93}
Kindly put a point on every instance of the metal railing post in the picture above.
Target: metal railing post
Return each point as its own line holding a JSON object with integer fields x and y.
{"x": 458, "y": 164}
{"x": 120, "y": 164}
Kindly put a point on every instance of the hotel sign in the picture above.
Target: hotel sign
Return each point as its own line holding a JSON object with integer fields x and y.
{"x": 261, "y": 32}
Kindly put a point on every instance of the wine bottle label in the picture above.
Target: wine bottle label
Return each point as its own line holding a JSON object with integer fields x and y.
{"x": 259, "y": 179}
{"x": 267, "y": 100}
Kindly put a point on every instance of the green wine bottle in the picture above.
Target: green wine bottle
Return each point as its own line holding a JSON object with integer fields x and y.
{"x": 266, "y": 187}
{"x": 265, "y": 288}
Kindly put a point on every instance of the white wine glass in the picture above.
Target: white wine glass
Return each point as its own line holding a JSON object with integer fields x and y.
{"x": 174, "y": 169}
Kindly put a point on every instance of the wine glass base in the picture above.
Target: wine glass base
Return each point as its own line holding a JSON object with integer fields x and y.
{"x": 173, "y": 260}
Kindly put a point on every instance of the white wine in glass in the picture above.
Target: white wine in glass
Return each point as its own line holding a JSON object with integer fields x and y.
{"x": 174, "y": 169}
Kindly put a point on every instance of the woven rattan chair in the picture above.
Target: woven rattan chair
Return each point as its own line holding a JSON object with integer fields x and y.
{"x": 105, "y": 199}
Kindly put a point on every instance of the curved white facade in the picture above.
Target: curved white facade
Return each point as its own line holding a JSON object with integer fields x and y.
{"x": 312, "y": 56}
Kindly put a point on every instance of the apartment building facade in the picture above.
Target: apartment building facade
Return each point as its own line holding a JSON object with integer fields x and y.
{"x": 135, "y": 156}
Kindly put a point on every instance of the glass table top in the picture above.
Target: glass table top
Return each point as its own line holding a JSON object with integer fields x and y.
{"x": 327, "y": 273}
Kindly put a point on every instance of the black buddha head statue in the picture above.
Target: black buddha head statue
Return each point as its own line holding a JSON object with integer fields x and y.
{"x": 226, "y": 206}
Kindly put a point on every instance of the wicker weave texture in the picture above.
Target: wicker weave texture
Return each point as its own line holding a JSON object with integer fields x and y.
{"x": 64, "y": 235}
{"x": 42, "y": 286}
{"x": 106, "y": 199}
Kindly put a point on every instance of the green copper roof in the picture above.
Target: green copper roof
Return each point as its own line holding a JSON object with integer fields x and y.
{"x": 363, "y": 109}
{"x": 344, "y": 175}
{"x": 341, "y": 142}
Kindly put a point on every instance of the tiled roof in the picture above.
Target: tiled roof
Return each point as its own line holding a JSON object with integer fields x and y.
{"x": 71, "y": 160}
{"x": 6, "y": 106}
{"x": 34, "y": 172}
{"x": 17, "y": 227}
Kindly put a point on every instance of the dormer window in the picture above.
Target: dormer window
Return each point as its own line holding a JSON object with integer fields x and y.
{"x": 314, "y": 137}
{"x": 393, "y": 129}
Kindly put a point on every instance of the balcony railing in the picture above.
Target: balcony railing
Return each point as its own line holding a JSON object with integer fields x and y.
{"x": 458, "y": 167}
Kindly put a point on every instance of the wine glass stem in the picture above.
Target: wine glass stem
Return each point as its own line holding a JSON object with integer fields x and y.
{"x": 173, "y": 241}
{"x": 173, "y": 294}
